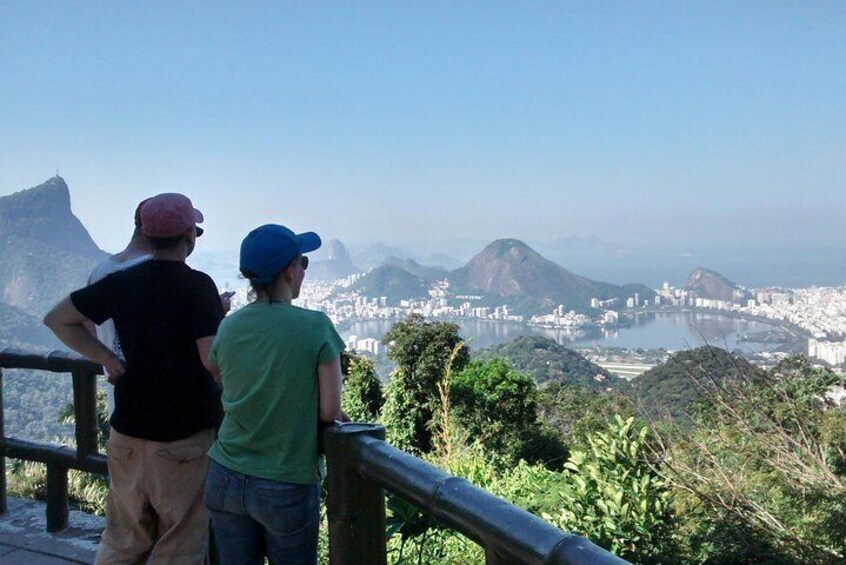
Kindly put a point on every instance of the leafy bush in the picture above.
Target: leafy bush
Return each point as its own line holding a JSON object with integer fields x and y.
{"x": 763, "y": 459}
{"x": 614, "y": 497}
{"x": 421, "y": 351}
{"x": 362, "y": 395}
{"x": 497, "y": 406}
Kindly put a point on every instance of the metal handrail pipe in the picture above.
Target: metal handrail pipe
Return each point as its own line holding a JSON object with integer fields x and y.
{"x": 509, "y": 532}
{"x": 55, "y": 361}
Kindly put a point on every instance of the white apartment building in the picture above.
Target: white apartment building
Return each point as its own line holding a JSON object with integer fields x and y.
{"x": 833, "y": 352}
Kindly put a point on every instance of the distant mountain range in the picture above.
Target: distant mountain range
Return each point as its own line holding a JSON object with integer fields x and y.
{"x": 45, "y": 252}
{"x": 506, "y": 271}
{"x": 371, "y": 256}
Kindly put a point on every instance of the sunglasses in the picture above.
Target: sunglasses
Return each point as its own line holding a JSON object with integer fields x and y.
{"x": 304, "y": 262}
{"x": 199, "y": 230}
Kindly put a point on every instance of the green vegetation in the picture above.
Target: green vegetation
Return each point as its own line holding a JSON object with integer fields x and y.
{"x": 497, "y": 407}
{"x": 576, "y": 413}
{"x": 754, "y": 471}
{"x": 547, "y": 361}
{"x": 707, "y": 461}
{"x": 615, "y": 497}
{"x": 421, "y": 351}
{"x": 762, "y": 468}
{"x": 33, "y": 402}
{"x": 362, "y": 395}
{"x": 86, "y": 491}
{"x": 671, "y": 388}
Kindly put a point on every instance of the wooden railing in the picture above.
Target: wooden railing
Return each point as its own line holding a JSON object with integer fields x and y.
{"x": 59, "y": 459}
{"x": 361, "y": 467}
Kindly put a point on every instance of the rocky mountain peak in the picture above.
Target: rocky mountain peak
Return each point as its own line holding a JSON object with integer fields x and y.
{"x": 51, "y": 197}
{"x": 513, "y": 248}
{"x": 338, "y": 251}
{"x": 705, "y": 283}
{"x": 336, "y": 264}
{"x": 530, "y": 282}
{"x": 43, "y": 214}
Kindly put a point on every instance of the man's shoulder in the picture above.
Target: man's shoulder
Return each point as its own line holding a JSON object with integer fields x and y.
{"x": 198, "y": 274}
{"x": 203, "y": 279}
{"x": 104, "y": 268}
{"x": 113, "y": 264}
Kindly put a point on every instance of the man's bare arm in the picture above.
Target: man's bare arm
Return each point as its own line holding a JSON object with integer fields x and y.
{"x": 329, "y": 384}
{"x": 69, "y": 326}
{"x": 204, "y": 345}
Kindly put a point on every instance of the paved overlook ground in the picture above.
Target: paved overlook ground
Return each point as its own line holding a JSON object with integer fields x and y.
{"x": 24, "y": 538}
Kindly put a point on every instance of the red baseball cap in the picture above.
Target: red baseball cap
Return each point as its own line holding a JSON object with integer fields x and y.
{"x": 168, "y": 215}
{"x": 138, "y": 212}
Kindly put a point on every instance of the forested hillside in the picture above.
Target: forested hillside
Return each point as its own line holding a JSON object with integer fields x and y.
{"x": 545, "y": 361}
{"x": 671, "y": 388}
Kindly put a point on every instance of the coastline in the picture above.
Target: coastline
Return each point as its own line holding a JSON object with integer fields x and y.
{"x": 797, "y": 331}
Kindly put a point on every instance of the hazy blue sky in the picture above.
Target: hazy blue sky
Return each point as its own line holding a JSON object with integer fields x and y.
{"x": 640, "y": 122}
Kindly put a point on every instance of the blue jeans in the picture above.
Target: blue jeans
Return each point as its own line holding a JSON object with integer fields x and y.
{"x": 252, "y": 518}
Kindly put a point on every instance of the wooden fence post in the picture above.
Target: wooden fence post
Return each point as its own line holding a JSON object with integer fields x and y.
{"x": 86, "y": 429}
{"x": 57, "y": 498}
{"x": 356, "y": 507}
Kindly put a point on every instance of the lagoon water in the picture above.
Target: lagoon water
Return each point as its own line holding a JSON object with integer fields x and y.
{"x": 672, "y": 331}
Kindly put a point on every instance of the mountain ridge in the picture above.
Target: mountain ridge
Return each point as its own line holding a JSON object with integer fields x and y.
{"x": 506, "y": 270}
{"x": 509, "y": 268}
{"x": 45, "y": 253}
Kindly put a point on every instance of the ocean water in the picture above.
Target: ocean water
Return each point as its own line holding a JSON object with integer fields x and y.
{"x": 649, "y": 331}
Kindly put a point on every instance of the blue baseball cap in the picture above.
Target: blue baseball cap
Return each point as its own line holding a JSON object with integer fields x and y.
{"x": 268, "y": 249}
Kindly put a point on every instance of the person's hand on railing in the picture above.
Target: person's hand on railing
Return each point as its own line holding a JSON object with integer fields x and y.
{"x": 115, "y": 368}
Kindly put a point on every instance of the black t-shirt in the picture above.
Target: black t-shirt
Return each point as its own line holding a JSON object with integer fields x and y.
{"x": 160, "y": 310}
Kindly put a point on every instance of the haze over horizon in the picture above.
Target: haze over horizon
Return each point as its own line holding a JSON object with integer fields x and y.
{"x": 689, "y": 128}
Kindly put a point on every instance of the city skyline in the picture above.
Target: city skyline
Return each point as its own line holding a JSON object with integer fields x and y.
{"x": 638, "y": 124}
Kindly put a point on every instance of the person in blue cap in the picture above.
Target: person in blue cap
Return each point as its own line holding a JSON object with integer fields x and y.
{"x": 280, "y": 370}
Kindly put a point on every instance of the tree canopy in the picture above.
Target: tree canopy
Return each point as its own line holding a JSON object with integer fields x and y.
{"x": 422, "y": 351}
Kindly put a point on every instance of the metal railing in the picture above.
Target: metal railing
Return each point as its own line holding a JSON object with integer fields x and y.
{"x": 57, "y": 458}
{"x": 361, "y": 467}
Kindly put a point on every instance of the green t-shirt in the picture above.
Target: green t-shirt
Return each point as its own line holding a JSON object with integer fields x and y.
{"x": 268, "y": 357}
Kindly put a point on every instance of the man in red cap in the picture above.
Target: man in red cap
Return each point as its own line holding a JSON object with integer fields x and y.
{"x": 166, "y": 404}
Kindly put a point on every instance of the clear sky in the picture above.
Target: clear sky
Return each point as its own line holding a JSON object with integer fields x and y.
{"x": 402, "y": 122}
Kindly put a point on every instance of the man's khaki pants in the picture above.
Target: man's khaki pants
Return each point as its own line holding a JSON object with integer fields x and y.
{"x": 154, "y": 509}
